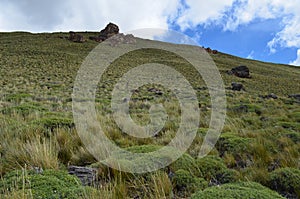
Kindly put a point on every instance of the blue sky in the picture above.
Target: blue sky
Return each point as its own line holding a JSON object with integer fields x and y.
{"x": 267, "y": 30}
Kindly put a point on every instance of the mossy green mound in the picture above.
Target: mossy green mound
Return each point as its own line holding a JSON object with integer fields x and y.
{"x": 214, "y": 170}
{"x": 48, "y": 184}
{"x": 285, "y": 181}
{"x": 241, "y": 190}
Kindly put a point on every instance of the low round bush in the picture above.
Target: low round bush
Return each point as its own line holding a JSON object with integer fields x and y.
{"x": 285, "y": 181}
{"x": 214, "y": 170}
{"x": 232, "y": 143}
{"x": 47, "y": 184}
{"x": 241, "y": 190}
{"x": 185, "y": 183}
{"x": 153, "y": 161}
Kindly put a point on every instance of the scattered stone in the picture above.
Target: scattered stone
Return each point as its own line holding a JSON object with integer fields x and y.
{"x": 75, "y": 37}
{"x": 156, "y": 91}
{"x": 240, "y": 71}
{"x": 263, "y": 119}
{"x": 295, "y": 96}
{"x": 214, "y": 52}
{"x": 270, "y": 96}
{"x": 237, "y": 86}
{"x": 37, "y": 170}
{"x": 241, "y": 109}
{"x": 87, "y": 176}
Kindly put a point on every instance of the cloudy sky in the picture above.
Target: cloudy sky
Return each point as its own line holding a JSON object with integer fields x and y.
{"x": 267, "y": 30}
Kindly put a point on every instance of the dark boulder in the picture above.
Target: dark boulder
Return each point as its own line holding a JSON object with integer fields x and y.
{"x": 75, "y": 37}
{"x": 109, "y": 31}
{"x": 240, "y": 71}
{"x": 237, "y": 86}
{"x": 87, "y": 176}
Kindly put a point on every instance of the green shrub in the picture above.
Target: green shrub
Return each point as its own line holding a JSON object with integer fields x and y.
{"x": 290, "y": 125}
{"x": 185, "y": 183}
{"x": 294, "y": 136}
{"x": 232, "y": 143}
{"x": 241, "y": 190}
{"x": 152, "y": 161}
{"x": 48, "y": 184}
{"x": 295, "y": 116}
{"x": 186, "y": 162}
{"x": 214, "y": 170}
{"x": 17, "y": 97}
{"x": 55, "y": 122}
{"x": 24, "y": 109}
{"x": 285, "y": 181}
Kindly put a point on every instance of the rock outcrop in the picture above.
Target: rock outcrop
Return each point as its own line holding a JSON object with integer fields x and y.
{"x": 110, "y": 30}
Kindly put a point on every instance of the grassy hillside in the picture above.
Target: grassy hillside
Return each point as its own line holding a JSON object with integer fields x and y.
{"x": 260, "y": 142}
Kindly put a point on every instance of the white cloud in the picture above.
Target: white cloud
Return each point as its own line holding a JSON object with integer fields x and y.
{"x": 56, "y": 15}
{"x": 297, "y": 61}
{"x": 231, "y": 14}
{"x": 288, "y": 11}
{"x": 202, "y": 12}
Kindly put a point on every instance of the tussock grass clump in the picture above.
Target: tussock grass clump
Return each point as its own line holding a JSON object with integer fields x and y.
{"x": 37, "y": 152}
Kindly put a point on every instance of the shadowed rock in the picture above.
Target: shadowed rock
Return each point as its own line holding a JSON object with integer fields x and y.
{"x": 75, "y": 37}
{"x": 109, "y": 31}
{"x": 237, "y": 86}
{"x": 86, "y": 175}
{"x": 270, "y": 96}
{"x": 240, "y": 71}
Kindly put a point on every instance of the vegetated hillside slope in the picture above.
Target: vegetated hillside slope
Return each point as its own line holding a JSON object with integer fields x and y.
{"x": 259, "y": 143}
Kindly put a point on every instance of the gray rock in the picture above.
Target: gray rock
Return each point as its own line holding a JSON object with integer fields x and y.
{"x": 87, "y": 176}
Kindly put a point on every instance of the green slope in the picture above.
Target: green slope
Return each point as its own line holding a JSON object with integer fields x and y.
{"x": 260, "y": 137}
